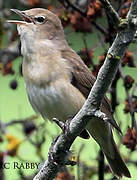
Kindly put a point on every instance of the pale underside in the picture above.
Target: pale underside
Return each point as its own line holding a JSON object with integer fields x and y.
{"x": 50, "y": 91}
{"x": 59, "y": 102}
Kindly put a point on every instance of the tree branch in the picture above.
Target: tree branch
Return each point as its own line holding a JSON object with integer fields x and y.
{"x": 130, "y": 100}
{"x": 101, "y": 166}
{"x": 115, "y": 20}
{"x": 84, "y": 14}
{"x": 59, "y": 150}
{"x": 76, "y": 8}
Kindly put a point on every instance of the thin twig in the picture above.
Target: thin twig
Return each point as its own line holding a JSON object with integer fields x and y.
{"x": 115, "y": 20}
{"x": 101, "y": 166}
{"x": 84, "y": 14}
{"x": 129, "y": 97}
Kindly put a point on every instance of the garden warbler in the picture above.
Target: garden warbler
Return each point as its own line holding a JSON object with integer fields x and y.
{"x": 57, "y": 80}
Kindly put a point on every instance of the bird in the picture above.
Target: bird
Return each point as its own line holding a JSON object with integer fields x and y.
{"x": 58, "y": 82}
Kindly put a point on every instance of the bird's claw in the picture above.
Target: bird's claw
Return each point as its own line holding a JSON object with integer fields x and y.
{"x": 51, "y": 152}
{"x": 70, "y": 160}
{"x": 62, "y": 125}
{"x": 105, "y": 118}
{"x": 59, "y": 123}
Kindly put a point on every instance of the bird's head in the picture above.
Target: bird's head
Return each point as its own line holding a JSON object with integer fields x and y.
{"x": 38, "y": 23}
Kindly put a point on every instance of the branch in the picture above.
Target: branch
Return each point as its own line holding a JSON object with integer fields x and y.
{"x": 10, "y": 53}
{"x": 21, "y": 121}
{"x": 99, "y": 27}
{"x": 59, "y": 151}
{"x": 84, "y": 14}
{"x": 101, "y": 166}
{"x": 76, "y": 8}
{"x": 112, "y": 14}
{"x": 114, "y": 92}
{"x": 130, "y": 100}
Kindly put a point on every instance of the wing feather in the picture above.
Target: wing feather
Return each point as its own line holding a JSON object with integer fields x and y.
{"x": 82, "y": 79}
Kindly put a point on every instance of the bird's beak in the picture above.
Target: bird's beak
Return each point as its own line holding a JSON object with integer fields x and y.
{"x": 25, "y": 17}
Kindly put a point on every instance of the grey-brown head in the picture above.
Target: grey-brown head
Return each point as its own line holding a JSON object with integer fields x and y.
{"x": 39, "y": 31}
{"x": 39, "y": 23}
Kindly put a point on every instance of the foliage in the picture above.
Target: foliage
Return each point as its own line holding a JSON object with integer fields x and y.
{"x": 86, "y": 17}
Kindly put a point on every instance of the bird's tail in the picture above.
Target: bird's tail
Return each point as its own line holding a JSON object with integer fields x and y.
{"x": 117, "y": 165}
{"x": 102, "y": 134}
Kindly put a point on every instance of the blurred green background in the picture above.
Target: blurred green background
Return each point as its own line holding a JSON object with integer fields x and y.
{"x": 14, "y": 105}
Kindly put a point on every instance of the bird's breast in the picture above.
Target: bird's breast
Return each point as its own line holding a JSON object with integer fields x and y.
{"x": 59, "y": 99}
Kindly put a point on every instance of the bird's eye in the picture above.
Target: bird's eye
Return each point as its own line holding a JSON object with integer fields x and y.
{"x": 40, "y": 19}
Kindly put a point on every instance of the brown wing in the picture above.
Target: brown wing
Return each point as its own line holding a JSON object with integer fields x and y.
{"x": 83, "y": 80}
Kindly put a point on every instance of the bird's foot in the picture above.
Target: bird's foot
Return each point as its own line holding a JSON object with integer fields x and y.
{"x": 59, "y": 123}
{"x": 65, "y": 127}
{"x": 56, "y": 160}
{"x": 105, "y": 118}
{"x": 51, "y": 152}
{"x": 62, "y": 125}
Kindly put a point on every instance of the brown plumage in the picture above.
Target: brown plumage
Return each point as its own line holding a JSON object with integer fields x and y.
{"x": 58, "y": 82}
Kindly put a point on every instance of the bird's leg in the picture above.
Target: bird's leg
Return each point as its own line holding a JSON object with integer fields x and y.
{"x": 64, "y": 126}
{"x": 84, "y": 133}
{"x": 59, "y": 123}
{"x": 51, "y": 152}
{"x": 105, "y": 118}
{"x": 56, "y": 160}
